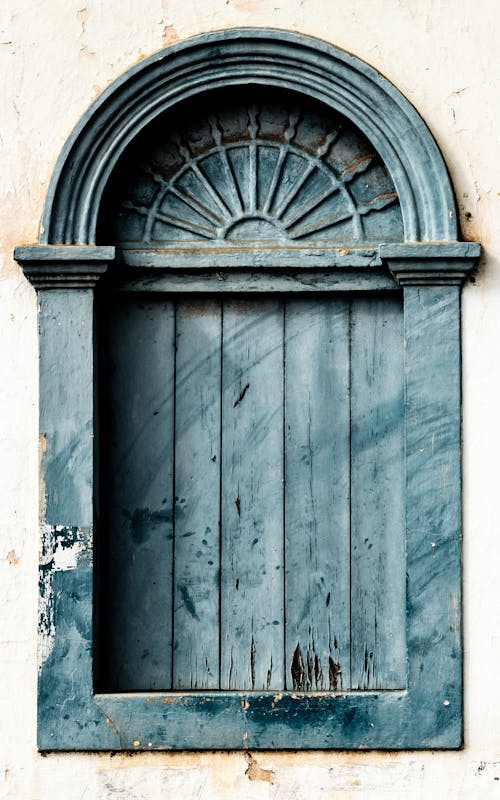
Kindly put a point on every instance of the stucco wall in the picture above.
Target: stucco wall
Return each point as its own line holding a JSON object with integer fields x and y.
{"x": 55, "y": 57}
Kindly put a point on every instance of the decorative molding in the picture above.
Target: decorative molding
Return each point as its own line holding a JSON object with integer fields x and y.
{"x": 278, "y": 258}
{"x": 64, "y": 267}
{"x": 232, "y": 58}
{"x": 438, "y": 263}
{"x": 427, "y": 713}
{"x": 269, "y": 169}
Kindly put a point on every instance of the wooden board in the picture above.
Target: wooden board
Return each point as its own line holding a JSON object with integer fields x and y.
{"x": 378, "y": 588}
{"x": 137, "y": 469}
{"x": 197, "y": 490}
{"x": 317, "y": 454}
{"x": 252, "y": 577}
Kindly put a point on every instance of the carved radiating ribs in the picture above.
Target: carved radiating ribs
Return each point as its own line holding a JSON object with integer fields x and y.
{"x": 244, "y": 181}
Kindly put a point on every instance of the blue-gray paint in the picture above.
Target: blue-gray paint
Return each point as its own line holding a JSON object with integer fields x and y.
{"x": 275, "y": 168}
{"x": 295, "y": 281}
{"x": 378, "y": 651}
{"x": 252, "y": 577}
{"x": 135, "y": 512}
{"x": 282, "y": 259}
{"x": 197, "y": 486}
{"x": 66, "y": 266}
{"x": 317, "y": 494}
{"x": 270, "y": 58}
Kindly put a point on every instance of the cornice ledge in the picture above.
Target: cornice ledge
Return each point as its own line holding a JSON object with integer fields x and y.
{"x": 438, "y": 263}
{"x": 64, "y": 266}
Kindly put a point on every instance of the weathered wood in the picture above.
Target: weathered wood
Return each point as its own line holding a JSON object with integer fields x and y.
{"x": 66, "y": 428}
{"x": 251, "y": 256}
{"x": 66, "y": 710}
{"x": 255, "y": 170}
{"x": 433, "y": 509}
{"x": 294, "y": 179}
{"x": 137, "y": 479}
{"x": 197, "y": 501}
{"x": 252, "y": 631}
{"x": 317, "y": 510}
{"x": 262, "y": 282}
{"x": 260, "y": 721}
{"x": 378, "y": 647}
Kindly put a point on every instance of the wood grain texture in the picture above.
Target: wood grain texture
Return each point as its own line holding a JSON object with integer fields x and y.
{"x": 66, "y": 710}
{"x": 377, "y": 496}
{"x": 230, "y": 281}
{"x": 67, "y": 410}
{"x": 197, "y": 500}
{"x": 252, "y": 632}
{"x": 433, "y": 510}
{"x": 317, "y": 458}
{"x": 208, "y": 186}
{"x": 137, "y": 473}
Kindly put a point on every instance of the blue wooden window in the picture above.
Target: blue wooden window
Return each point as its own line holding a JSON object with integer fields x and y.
{"x": 251, "y": 435}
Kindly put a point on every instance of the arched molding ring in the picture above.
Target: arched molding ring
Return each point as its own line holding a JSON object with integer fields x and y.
{"x": 267, "y": 57}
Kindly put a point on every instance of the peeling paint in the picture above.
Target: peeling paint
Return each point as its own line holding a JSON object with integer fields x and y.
{"x": 61, "y": 549}
{"x": 428, "y": 49}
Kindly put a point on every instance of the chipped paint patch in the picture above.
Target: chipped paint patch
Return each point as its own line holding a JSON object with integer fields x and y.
{"x": 61, "y": 549}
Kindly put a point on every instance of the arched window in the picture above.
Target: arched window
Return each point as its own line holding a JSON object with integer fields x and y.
{"x": 251, "y": 423}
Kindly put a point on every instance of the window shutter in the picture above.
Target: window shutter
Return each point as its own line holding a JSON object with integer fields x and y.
{"x": 258, "y": 503}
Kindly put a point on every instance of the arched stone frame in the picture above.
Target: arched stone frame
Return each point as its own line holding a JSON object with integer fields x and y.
{"x": 430, "y": 266}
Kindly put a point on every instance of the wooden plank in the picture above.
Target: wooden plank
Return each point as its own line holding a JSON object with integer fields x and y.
{"x": 66, "y": 712}
{"x": 252, "y": 579}
{"x": 317, "y": 512}
{"x": 197, "y": 488}
{"x": 377, "y": 496}
{"x": 241, "y": 257}
{"x": 226, "y": 281}
{"x": 260, "y": 721}
{"x": 433, "y": 518}
{"x": 137, "y": 467}
{"x": 66, "y": 428}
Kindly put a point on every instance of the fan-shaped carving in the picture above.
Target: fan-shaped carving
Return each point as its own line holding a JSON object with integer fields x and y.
{"x": 259, "y": 172}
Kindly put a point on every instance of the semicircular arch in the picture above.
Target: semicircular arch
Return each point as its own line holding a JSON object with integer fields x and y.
{"x": 265, "y": 57}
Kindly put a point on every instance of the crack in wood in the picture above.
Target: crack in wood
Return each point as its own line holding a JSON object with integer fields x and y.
{"x": 242, "y": 395}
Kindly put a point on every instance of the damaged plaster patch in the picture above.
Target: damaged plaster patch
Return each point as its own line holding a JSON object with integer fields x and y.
{"x": 488, "y": 770}
{"x": 353, "y": 777}
{"x": 256, "y": 773}
{"x": 169, "y": 35}
{"x": 61, "y": 549}
{"x": 13, "y": 558}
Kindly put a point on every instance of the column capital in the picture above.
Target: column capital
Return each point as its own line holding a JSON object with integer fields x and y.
{"x": 64, "y": 266}
{"x": 430, "y": 263}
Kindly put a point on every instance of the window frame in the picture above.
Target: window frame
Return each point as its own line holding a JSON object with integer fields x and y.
{"x": 428, "y": 713}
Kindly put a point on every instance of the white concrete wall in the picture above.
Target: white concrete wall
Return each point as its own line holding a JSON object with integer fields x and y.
{"x": 55, "y": 57}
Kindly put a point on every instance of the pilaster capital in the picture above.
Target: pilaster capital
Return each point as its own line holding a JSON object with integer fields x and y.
{"x": 64, "y": 266}
{"x": 427, "y": 263}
